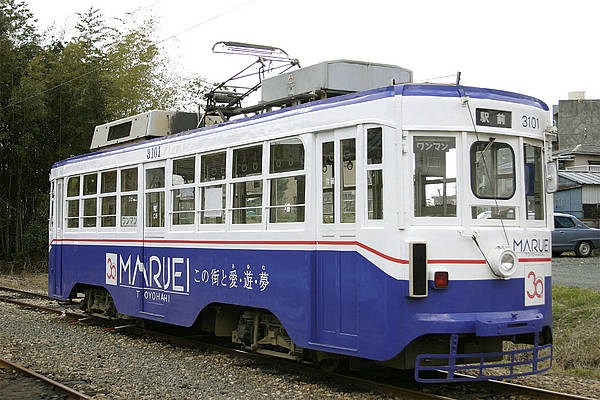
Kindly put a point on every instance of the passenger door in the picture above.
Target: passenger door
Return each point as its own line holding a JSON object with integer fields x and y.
{"x": 336, "y": 266}
{"x": 154, "y": 231}
{"x": 56, "y": 247}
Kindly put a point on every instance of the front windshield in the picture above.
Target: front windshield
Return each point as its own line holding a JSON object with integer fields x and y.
{"x": 492, "y": 170}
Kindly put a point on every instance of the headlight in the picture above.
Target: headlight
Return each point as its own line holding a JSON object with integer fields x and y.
{"x": 505, "y": 263}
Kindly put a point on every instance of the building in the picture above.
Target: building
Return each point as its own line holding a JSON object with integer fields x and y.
{"x": 578, "y": 121}
{"x": 579, "y": 193}
{"x": 580, "y": 155}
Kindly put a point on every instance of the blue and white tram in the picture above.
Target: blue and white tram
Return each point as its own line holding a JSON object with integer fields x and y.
{"x": 408, "y": 224}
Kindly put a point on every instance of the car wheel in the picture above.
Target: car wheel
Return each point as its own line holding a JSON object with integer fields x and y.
{"x": 583, "y": 249}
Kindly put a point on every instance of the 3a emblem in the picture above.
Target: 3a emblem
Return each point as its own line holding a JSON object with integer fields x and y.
{"x": 534, "y": 285}
{"x": 111, "y": 269}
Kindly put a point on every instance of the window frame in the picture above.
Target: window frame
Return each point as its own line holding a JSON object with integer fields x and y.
{"x": 526, "y": 220}
{"x": 516, "y": 201}
{"x": 122, "y": 193}
{"x": 356, "y": 168}
{"x": 231, "y": 181}
{"x": 459, "y": 140}
{"x": 164, "y": 189}
{"x": 82, "y": 200}
{"x": 270, "y": 176}
{"x": 472, "y": 169}
{"x": 67, "y": 199}
{"x": 367, "y": 169}
{"x": 224, "y": 181}
{"x": 171, "y": 189}
{"x": 101, "y": 196}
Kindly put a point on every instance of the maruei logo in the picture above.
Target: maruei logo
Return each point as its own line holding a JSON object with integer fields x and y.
{"x": 111, "y": 269}
{"x": 162, "y": 274}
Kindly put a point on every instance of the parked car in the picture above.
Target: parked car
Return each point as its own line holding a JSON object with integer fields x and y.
{"x": 570, "y": 234}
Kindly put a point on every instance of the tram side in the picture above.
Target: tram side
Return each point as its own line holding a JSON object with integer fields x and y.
{"x": 223, "y": 224}
{"x": 317, "y": 214}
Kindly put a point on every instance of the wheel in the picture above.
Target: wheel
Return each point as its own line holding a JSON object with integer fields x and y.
{"x": 330, "y": 364}
{"x": 583, "y": 249}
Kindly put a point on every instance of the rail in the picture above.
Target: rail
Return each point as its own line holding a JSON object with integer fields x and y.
{"x": 359, "y": 382}
{"x": 70, "y": 392}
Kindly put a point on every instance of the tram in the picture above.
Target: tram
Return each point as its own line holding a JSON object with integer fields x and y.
{"x": 407, "y": 224}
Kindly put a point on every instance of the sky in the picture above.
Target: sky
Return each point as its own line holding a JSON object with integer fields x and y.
{"x": 545, "y": 49}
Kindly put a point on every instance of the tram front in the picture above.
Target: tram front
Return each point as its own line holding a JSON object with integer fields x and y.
{"x": 480, "y": 251}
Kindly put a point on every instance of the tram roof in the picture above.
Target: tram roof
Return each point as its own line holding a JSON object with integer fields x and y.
{"x": 409, "y": 89}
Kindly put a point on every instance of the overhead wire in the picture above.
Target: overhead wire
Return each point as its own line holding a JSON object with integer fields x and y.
{"x": 205, "y": 21}
{"x": 433, "y": 78}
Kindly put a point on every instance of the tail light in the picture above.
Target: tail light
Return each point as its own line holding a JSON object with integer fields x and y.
{"x": 440, "y": 280}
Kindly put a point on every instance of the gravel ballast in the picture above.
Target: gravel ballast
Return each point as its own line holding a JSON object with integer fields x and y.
{"x": 110, "y": 365}
{"x": 114, "y": 365}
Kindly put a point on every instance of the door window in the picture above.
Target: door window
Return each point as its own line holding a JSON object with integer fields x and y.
{"x": 534, "y": 190}
{"x": 328, "y": 182}
{"x": 435, "y": 176}
{"x": 155, "y": 197}
{"x": 348, "y": 180}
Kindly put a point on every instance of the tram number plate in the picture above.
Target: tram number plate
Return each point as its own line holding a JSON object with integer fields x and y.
{"x": 153, "y": 152}
{"x": 494, "y": 118}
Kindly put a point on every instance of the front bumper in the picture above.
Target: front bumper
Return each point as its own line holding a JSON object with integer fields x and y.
{"x": 514, "y": 363}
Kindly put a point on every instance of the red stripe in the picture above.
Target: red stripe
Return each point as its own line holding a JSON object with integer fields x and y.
{"x": 380, "y": 254}
{"x": 534, "y": 259}
{"x": 456, "y": 262}
{"x": 291, "y": 242}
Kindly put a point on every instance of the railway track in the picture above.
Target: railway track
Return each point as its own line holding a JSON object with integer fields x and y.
{"x": 69, "y": 392}
{"x": 415, "y": 392}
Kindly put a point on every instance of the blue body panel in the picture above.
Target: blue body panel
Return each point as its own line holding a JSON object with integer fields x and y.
{"x": 336, "y": 301}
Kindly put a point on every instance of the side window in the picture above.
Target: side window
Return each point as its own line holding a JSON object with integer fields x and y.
{"x": 534, "y": 190}
{"x": 435, "y": 176}
{"x": 183, "y": 192}
{"x": 73, "y": 191}
{"x": 492, "y": 170}
{"x": 374, "y": 174}
{"x": 128, "y": 195}
{"x": 213, "y": 188}
{"x": 155, "y": 197}
{"x": 108, "y": 199}
{"x": 247, "y": 194}
{"x": 90, "y": 202}
{"x": 287, "y": 199}
{"x": 247, "y": 162}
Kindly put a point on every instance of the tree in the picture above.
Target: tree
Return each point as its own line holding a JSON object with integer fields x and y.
{"x": 52, "y": 96}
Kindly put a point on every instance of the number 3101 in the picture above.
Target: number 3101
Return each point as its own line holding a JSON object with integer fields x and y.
{"x": 530, "y": 122}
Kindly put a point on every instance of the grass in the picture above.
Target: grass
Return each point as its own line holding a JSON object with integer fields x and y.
{"x": 576, "y": 331}
{"x": 37, "y": 282}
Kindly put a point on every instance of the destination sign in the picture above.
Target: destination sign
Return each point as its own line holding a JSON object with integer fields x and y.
{"x": 494, "y": 118}
{"x": 434, "y": 143}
